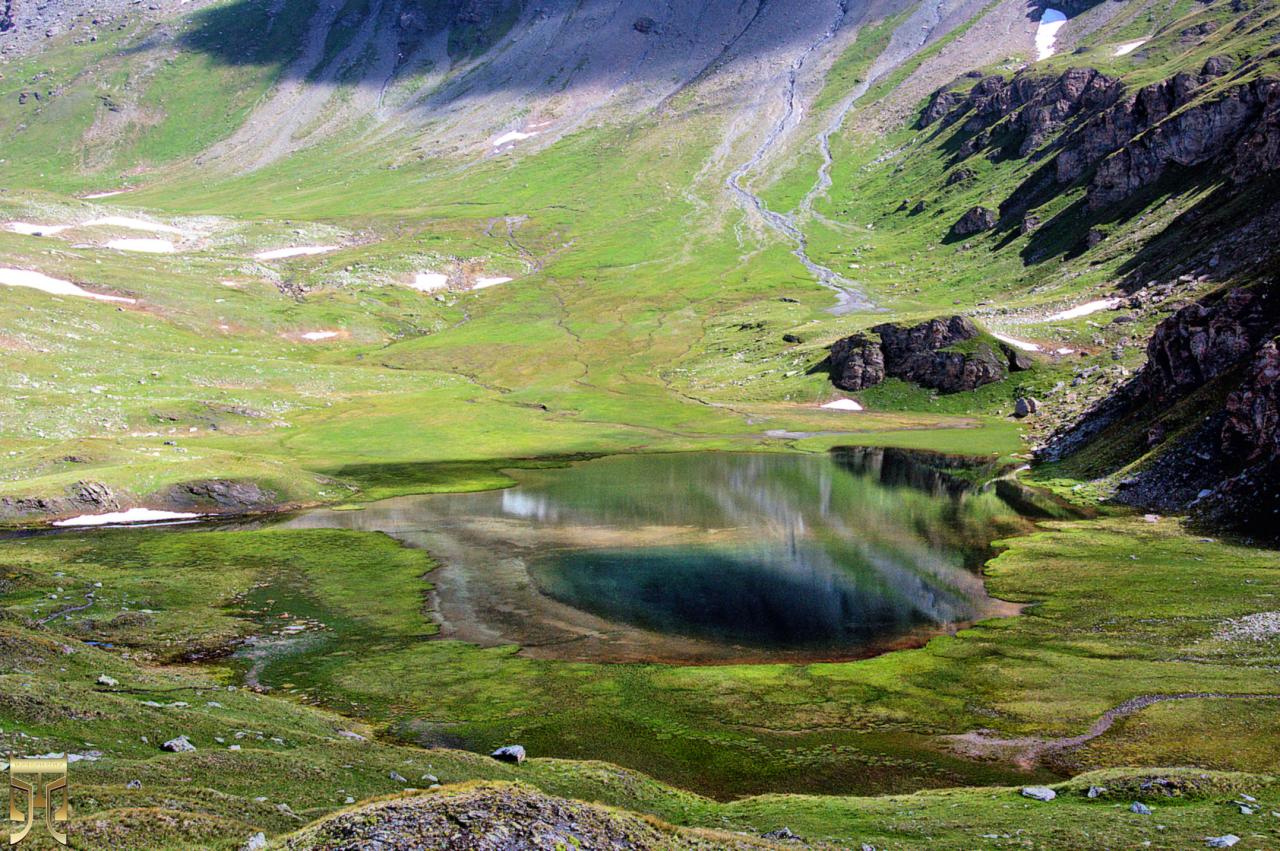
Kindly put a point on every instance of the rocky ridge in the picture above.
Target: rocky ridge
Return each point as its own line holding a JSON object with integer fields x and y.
{"x": 1225, "y": 466}
{"x": 1086, "y": 126}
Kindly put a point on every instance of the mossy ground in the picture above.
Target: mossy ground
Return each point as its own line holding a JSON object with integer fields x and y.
{"x": 1119, "y": 607}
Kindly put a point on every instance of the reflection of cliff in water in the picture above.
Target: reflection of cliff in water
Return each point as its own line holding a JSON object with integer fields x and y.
{"x": 934, "y": 474}
{"x": 709, "y": 556}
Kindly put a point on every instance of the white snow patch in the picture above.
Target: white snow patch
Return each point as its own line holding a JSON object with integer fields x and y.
{"x": 146, "y": 246}
{"x": 319, "y": 335}
{"x": 429, "y": 282}
{"x": 513, "y": 136}
{"x": 482, "y": 283}
{"x": 111, "y": 194}
{"x": 52, "y": 286}
{"x": 28, "y": 229}
{"x": 1016, "y": 343}
{"x": 1065, "y": 351}
{"x": 1047, "y": 32}
{"x": 1130, "y": 46}
{"x": 843, "y": 405}
{"x": 130, "y": 223}
{"x": 1084, "y": 309}
{"x": 300, "y": 251}
{"x": 133, "y": 515}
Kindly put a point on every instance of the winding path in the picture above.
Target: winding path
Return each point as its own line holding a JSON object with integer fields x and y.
{"x": 1026, "y": 751}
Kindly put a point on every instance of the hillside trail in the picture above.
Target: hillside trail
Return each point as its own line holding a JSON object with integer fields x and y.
{"x": 907, "y": 39}
{"x": 1028, "y": 751}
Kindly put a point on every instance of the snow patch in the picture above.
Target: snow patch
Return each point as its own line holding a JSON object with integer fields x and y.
{"x": 843, "y": 405}
{"x": 513, "y": 136}
{"x": 482, "y": 283}
{"x": 319, "y": 335}
{"x": 111, "y": 194}
{"x": 300, "y": 251}
{"x": 1084, "y": 309}
{"x": 1016, "y": 343}
{"x": 28, "y": 229}
{"x": 1130, "y": 46}
{"x": 429, "y": 282}
{"x": 133, "y": 515}
{"x": 52, "y": 286}
{"x": 1047, "y": 32}
{"x": 130, "y": 223}
{"x": 146, "y": 246}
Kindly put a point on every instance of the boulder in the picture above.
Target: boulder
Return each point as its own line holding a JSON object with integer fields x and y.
{"x": 1225, "y": 841}
{"x": 975, "y": 220}
{"x": 1039, "y": 793}
{"x": 178, "y": 745}
{"x": 1140, "y": 808}
{"x": 1025, "y": 407}
{"x": 509, "y": 753}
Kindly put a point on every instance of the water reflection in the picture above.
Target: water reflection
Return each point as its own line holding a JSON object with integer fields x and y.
{"x": 710, "y": 556}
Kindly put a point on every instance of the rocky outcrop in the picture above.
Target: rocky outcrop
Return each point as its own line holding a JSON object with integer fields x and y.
{"x": 501, "y": 817}
{"x": 975, "y": 220}
{"x": 8, "y": 14}
{"x": 1224, "y": 464}
{"x": 1090, "y": 128}
{"x": 1239, "y": 130}
{"x": 926, "y": 354}
{"x": 80, "y": 498}
{"x": 221, "y": 495}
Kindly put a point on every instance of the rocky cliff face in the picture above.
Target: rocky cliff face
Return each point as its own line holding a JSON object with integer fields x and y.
{"x": 923, "y": 354}
{"x": 1225, "y": 465}
{"x": 1089, "y": 128}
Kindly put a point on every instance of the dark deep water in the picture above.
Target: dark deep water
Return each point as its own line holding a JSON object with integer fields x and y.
{"x": 710, "y": 557}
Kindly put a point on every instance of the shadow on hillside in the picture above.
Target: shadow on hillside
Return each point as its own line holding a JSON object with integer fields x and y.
{"x": 514, "y": 46}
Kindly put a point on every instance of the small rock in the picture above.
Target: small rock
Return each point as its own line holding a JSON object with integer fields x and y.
{"x": 1025, "y": 407}
{"x": 396, "y": 776}
{"x": 1039, "y": 793}
{"x": 349, "y": 800}
{"x": 1095, "y": 791}
{"x": 1221, "y": 841}
{"x": 1246, "y": 811}
{"x": 178, "y": 745}
{"x": 509, "y": 753}
{"x": 256, "y": 842}
{"x": 109, "y": 682}
{"x": 133, "y": 784}
{"x": 1140, "y": 808}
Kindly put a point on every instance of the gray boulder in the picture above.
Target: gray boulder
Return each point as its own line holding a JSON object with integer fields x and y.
{"x": 509, "y": 753}
{"x": 178, "y": 745}
{"x": 1039, "y": 793}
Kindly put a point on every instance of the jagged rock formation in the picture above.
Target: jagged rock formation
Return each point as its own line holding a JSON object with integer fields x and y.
{"x": 8, "y": 13}
{"x": 927, "y": 354}
{"x": 1226, "y": 466}
{"x": 1088, "y": 126}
